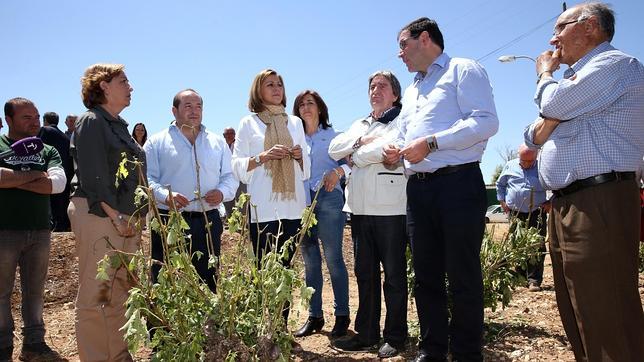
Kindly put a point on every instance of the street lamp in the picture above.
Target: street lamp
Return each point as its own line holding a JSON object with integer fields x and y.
{"x": 511, "y": 58}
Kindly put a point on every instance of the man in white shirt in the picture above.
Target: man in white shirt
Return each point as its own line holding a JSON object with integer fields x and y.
{"x": 195, "y": 164}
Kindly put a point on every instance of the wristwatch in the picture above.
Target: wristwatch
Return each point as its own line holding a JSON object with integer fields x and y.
{"x": 257, "y": 159}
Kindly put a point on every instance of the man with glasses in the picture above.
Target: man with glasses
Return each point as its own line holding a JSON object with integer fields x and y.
{"x": 448, "y": 114}
{"x": 591, "y": 135}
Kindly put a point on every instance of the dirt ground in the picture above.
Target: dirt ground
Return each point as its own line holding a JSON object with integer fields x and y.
{"x": 528, "y": 330}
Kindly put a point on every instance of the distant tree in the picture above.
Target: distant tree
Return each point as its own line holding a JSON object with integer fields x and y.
{"x": 495, "y": 175}
{"x": 506, "y": 153}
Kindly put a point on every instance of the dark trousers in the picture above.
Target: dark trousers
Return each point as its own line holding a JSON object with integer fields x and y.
{"x": 198, "y": 242}
{"x": 594, "y": 244}
{"x": 535, "y": 219}
{"x": 59, "y": 203}
{"x": 446, "y": 218}
{"x": 263, "y": 237}
{"x": 381, "y": 239}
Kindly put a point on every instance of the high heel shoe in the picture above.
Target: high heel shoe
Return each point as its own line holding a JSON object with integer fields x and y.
{"x": 313, "y": 324}
{"x": 341, "y": 325}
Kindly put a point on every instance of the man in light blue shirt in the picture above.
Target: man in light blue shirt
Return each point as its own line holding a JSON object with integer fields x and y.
{"x": 195, "y": 164}
{"x": 592, "y": 143}
{"x": 447, "y": 116}
{"x": 521, "y": 194}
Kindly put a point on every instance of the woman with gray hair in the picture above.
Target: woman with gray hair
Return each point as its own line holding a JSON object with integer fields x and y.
{"x": 101, "y": 210}
{"x": 376, "y": 198}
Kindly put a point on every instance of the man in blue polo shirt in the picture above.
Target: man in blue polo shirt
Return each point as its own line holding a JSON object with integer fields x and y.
{"x": 522, "y": 196}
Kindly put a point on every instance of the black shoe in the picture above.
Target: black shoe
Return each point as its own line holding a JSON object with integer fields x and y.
{"x": 341, "y": 325}
{"x": 6, "y": 354}
{"x": 313, "y": 324}
{"x": 424, "y": 357}
{"x": 353, "y": 344}
{"x": 388, "y": 351}
{"x": 39, "y": 352}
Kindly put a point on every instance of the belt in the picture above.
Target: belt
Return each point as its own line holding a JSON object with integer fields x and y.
{"x": 444, "y": 171}
{"x": 594, "y": 181}
{"x": 191, "y": 214}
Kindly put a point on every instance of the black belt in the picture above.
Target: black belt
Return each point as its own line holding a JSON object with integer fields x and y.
{"x": 594, "y": 181}
{"x": 444, "y": 171}
{"x": 191, "y": 214}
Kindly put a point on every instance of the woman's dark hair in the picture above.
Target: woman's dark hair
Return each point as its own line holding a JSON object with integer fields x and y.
{"x": 145, "y": 134}
{"x": 324, "y": 111}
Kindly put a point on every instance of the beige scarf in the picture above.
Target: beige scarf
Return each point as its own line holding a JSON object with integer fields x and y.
{"x": 282, "y": 172}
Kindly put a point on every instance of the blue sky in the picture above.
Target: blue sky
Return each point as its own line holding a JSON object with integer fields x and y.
{"x": 217, "y": 47}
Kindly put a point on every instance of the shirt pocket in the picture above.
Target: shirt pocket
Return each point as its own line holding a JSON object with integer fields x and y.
{"x": 390, "y": 188}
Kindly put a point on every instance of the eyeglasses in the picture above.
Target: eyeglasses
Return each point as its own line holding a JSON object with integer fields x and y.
{"x": 560, "y": 27}
{"x": 403, "y": 42}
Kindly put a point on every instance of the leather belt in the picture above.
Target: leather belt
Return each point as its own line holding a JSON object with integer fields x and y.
{"x": 594, "y": 181}
{"x": 444, "y": 171}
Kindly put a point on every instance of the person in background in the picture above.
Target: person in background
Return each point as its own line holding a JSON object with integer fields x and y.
{"x": 51, "y": 135}
{"x": 522, "y": 196}
{"x": 173, "y": 155}
{"x": 229, "y": 136}
{"x": 268, "y": 157}
{"x": 325, "y": 175}
{"x": 70, "y": 122}
{"x": 100, "y": 210}
{"x": 376, "y": 198}
{"x": 591, "y": 135}
{"x": 140, "y": 134}
{"x": 25, "y": 185}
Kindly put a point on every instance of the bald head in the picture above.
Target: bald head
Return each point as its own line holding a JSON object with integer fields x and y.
{"x": 527, "y": 156}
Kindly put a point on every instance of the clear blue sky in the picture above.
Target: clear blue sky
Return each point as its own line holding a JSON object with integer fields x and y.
{"x": 217, "y": 47}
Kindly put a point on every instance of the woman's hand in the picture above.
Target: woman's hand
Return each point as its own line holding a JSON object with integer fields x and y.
{"x": 124, "y": 225}
{"x": 331, "y": 178}
{"x": 296, "y": 152}
{"x": 277, "y": 152}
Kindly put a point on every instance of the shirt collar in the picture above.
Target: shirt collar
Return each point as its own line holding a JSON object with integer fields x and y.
{"x": 441, "y": 61}
{"x": 603, "y": 47}
{"x": 99, "y": 109}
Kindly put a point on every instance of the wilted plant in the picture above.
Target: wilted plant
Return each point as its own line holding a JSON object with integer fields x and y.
{"x": 184, "y": 319}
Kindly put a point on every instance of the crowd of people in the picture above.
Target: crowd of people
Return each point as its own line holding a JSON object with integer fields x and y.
{"x": 408, "y": 174}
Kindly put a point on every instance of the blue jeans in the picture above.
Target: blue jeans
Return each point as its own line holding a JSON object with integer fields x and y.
{"x": 329, "y": 231}
{"x": 28, "y": 249}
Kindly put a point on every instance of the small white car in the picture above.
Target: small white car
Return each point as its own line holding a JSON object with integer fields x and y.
{"x": 495, "y": 213}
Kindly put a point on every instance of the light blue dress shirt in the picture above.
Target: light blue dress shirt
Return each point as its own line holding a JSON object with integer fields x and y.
{"x": 321, "y": 162}
{"x": 172, "y": 163}
{"x": 520, "y": 188}
{"x": 453, "y": 102}
{"x": 601, "y": 104}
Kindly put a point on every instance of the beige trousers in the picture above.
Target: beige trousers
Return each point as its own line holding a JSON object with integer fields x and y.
{"x": 100, "y": 305}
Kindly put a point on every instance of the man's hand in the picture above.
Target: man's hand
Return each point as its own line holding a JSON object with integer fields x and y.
{"x": 179, "y": 200}
{"x": 546, "y": 206}
{"x": 505, "y": 207}
{"x": 416, "y": 151}
{"x": 547, "y": 62}
{"x": 214, "y": 197}
{"x": 391, "y": 154}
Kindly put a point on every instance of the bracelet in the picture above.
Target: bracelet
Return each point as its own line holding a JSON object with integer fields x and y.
{"x": 356, "y": 145}
{"x": 337, "y": 173}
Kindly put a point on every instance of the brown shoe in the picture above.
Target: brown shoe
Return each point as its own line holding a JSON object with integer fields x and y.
{"x": 534, "y": 287}
{"x": 39, "y": 352}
